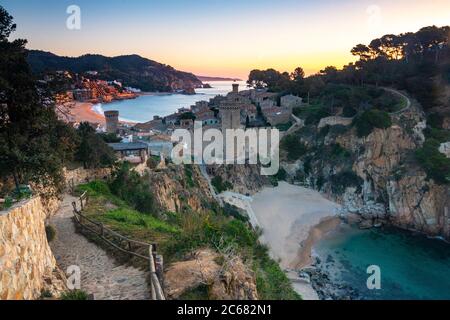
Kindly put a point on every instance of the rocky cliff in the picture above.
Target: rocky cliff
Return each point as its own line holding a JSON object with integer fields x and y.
{"x": 244, "y": 179}
{"x": 180, "y": 188}
{"x": 377, "y": 176}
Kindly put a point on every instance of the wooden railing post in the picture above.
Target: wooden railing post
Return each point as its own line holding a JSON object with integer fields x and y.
{"x": 74, "y": 205}
{"x": 156, "y": 285}
{"x": 159, "y": 265}
{"x": 130, "y": 248}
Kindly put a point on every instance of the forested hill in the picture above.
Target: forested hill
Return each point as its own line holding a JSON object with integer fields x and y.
{"x": 417, "y": 62}
{"x": 132, "y": 70}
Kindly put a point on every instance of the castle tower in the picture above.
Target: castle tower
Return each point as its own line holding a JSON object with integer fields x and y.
{"x": 112, "y": 121}
{"x": 235, "y": 87}
{"x": 230, "y": 115}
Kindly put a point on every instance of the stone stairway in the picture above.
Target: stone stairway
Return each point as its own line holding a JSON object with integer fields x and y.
{"x": 100, "y": 273}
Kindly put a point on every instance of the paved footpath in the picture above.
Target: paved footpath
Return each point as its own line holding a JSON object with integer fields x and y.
{"x": 100, "y": 273}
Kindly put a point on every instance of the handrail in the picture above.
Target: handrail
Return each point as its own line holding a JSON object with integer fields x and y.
{"x": 157, "y": 292}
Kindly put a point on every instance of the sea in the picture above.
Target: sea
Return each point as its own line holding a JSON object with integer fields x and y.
{"x": 146, "y": 106}
{"x": 412, "y": 266}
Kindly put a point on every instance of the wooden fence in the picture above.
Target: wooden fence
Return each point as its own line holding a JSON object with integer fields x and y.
{"x": 124, "y": 245}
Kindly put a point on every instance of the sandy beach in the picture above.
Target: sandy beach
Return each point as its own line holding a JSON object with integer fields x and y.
{"x": 82, "y": 112}
{"x": 292, "y": 218}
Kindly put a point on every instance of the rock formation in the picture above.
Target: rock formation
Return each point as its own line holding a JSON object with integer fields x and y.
{"x": 393, "y": 187}
{"x": 179, "y": 188}
{"x": 225, "y": 279}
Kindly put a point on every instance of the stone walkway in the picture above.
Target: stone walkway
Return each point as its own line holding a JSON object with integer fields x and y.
{"x": 100, "y": 274}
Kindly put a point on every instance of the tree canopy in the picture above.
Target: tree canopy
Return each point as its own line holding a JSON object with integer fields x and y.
{"x": 33, "y": 142}
{"x": 416, "y": 62}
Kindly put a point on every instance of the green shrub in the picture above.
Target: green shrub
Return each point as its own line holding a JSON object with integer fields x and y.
{"x": 50, "y": 231}
{"x": 337, "y": 151}
{"x": 110, "y": 137}
{"x": 7, "y": 204}
{"x": 152, "y": 163}
{"x": 92, "y": 150}
{"x": 281, "y": 174}
{"x": 199, "y": 293}
{"x": 440, "y": 135}
{"x": 232, "y": 211}
{"x": 368, "y": 120}
{"x": 307, "y": 165}
{"x": 46, "y": 294}
{"x": 436, "y": 164}
{"x": 132, "y": 188}
{"x": 294, "y": 148}
{"x": 240, "y": 233}
{"x": 75, "y": 295}
{"x": 324, "y": 131}
{"x": 95, "y": 188}
{"x": 314, "y": 117}
{"x": 284, "y": 126}
{"x": 349, "y": 112}
{"x": 320, "y": 182}
{"x": 189, "y": 176}
{"x": 435, "y": 120}
{"x": 338, "y": 130}
{"x": 312, "y": 114}
{"x": 131, "y": 218}
{"x": 271, "y": 281}
{"x": 220, "y": 185}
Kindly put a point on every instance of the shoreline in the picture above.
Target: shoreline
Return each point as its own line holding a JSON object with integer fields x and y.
{"x": 84, "y": 112}
{"x": 288, "y": 215}
{"x": 292, "y": 220}
{"x": 316, "y": 233}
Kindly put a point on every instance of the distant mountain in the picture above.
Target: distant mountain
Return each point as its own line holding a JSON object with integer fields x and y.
{"x": 133, "y": 70}
{"x": 206, "y": 79}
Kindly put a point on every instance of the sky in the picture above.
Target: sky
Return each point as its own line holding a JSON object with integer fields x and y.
{"x": 222, "y": 38}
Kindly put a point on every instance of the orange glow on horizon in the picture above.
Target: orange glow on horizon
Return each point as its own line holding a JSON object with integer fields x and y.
{"x": 217, "y": 45}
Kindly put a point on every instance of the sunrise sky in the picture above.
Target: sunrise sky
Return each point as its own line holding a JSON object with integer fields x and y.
{"x": 223, "y": 38}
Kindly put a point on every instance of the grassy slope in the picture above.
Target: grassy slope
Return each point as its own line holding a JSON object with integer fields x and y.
{"x": 179, "y": 234}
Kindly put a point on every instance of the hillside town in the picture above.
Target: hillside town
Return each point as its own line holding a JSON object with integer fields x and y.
{"x": 238, "y": 109}
{"x": 125, "y": 178}
{"x": 73, "y": 88}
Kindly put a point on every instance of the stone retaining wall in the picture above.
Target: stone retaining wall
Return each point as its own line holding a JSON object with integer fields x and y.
{"x": 25, "y": 256}
{"x": 334, "y": 121}
{"x": 81, "y": 175}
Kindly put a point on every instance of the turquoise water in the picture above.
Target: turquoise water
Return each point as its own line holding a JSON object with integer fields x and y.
{"x": 412, "y": 266}
{"x": 145, "y": 107}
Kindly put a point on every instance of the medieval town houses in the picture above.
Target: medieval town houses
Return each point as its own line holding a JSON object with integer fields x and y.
{"x": 238, "y": 109}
